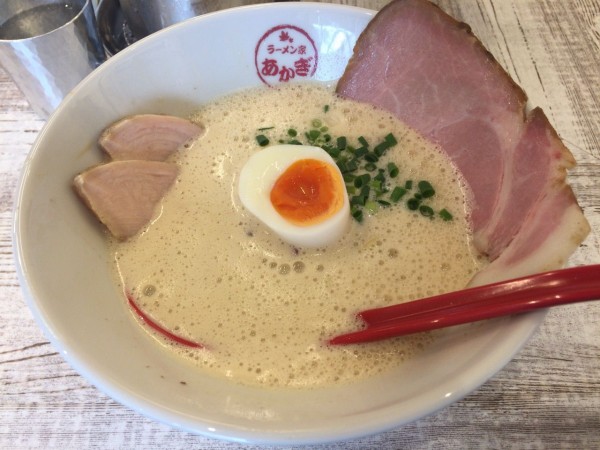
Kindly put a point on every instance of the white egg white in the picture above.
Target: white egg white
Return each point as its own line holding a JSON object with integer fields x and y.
{"x": 256, "y": 180}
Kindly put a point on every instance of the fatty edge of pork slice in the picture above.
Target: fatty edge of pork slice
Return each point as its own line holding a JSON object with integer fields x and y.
{"x": 124, "y": 194}
{"x": 152, "y": 137}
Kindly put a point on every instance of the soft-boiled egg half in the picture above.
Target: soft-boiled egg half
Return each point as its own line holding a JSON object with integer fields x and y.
{"x": 298, "y": 192}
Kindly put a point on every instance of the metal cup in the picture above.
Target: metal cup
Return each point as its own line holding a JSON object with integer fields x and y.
{"x": 147, "y": 16}
{"x": 47, "y": 47}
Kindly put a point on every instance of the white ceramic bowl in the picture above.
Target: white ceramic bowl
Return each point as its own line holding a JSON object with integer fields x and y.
{"x": 62, "y": 258}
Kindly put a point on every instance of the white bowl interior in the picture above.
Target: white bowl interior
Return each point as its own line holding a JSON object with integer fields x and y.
{"x": 62, "y": 257}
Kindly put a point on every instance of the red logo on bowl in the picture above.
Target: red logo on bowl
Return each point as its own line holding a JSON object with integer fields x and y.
{"x": 284, "y": 53}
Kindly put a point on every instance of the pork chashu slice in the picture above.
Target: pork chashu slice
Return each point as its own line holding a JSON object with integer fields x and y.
{"x": 124, "y": 194}
{"x": 430, "y": 71}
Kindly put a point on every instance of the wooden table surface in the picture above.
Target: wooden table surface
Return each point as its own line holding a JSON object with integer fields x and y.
{"x": 547, "y": 397}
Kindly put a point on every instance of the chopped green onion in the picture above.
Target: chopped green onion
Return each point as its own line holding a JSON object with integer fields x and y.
{"x": 358, "y": 200}
{"x": 262, "y": 140}
{"x": 326, "y": 108}
{"x": 413, "y": 204}
{"x": 381, "y": 148}
{"x": 372, "y": 206}
{"x": 426, "y": 189}
{"x": 365, "y": 191}
{"x": 365, "y": 180}
{"x": 375, "y": 184}
{"x": 357, "y": 214}
{"x": 445, "y": 215}
{"x": 334, "y": 152}
{"x": 361, "y": 151}
{"x": 391, "y": 140}
{"x": 362, "y": 180}
{"x": 352, "y": 165}
{"x": 313, "y": 135}
{"x": 426, "y": 211}
{"x": 371, "y": 157}
{"x": 397, "y": 193}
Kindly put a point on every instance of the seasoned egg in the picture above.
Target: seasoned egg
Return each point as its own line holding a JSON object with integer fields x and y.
{"x": 298, "y": 192}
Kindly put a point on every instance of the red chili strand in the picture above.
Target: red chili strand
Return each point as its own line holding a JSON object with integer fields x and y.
{"x": 152, "y": 324}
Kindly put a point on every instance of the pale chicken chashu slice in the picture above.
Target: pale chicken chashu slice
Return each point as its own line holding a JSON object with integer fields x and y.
{"x": 152, "y": 137}
{"x": 124, "y": 194}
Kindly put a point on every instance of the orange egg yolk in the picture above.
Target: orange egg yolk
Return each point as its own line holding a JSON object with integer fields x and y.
{"x": 308, "y": 192}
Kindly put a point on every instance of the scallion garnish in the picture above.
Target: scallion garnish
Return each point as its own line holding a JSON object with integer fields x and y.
{"x": 365, "y": 191}
{"x": 312, "y": 135}
{"x": 390, "y": 139}
{"x": 357, "y": 214}
{"x": 262, "y": 140}
{"x": 426, "y": 189}
{"x": 413, "y": 204}
{"x": 426, "y": 211}
{"x": 352, "y": 165}
{"x": 372, "y": 207}
{"x": 371, "y": 157}
{"x": 361, "y": 151}
{"x": 397, "y": 193}
{"x": 334, "y": 152}
{"x": 362, "y": 180}
{"x": 358, "y": 200}
{"x": 445, "y": 215}
{"x": 363, "y": 171}
{"x": 381, "y": 148}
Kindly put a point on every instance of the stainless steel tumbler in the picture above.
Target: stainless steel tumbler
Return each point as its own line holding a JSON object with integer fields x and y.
{"x": 47, "y": 47}
{"x": 147, "y": 16}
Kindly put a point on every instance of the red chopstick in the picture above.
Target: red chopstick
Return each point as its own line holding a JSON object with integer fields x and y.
{"x": 484, "y": 302}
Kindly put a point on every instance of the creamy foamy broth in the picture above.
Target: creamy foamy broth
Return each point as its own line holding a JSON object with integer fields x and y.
{"x": 209, "y": 271}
